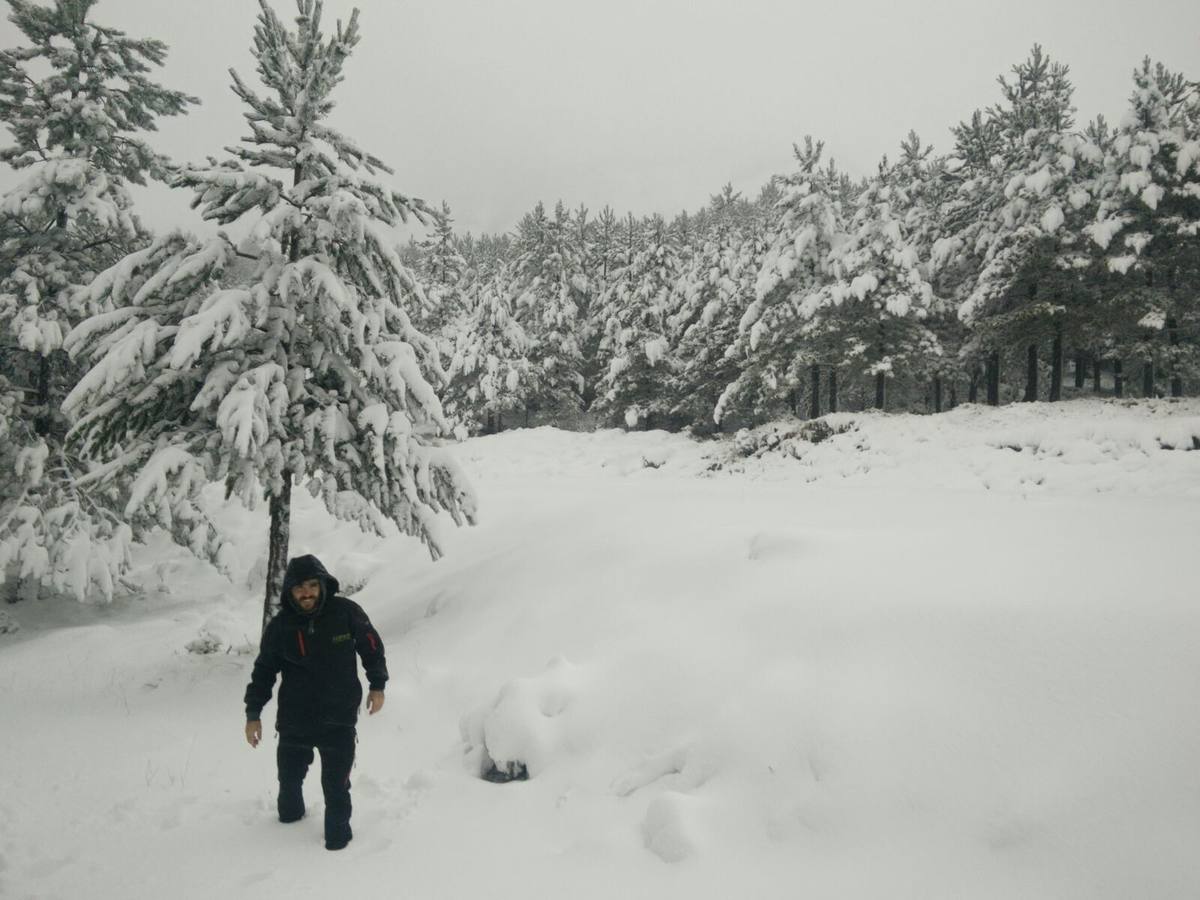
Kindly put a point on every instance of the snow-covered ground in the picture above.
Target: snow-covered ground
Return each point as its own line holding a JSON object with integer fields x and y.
{"x": 929, "y": 657}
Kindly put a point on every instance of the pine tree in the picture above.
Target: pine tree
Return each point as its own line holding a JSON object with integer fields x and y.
{"x": 443, "y": 271}
{"x": 76, "y": 99}
{"x": 1022, "y": 202}
{"x": 1147, "y": 226}
{"x": 779, "y": 340}
{"x": 548, "y": 307}
{"x": 636, "y": 342}
{"x": 490, "y": 372}
{"x": 882, "y": 298}
{"x": 312, "y": 369}
{"x": 714, "y": 293}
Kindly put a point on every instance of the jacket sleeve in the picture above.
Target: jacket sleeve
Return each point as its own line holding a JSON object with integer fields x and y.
{"x": 369, "y": 646}
{"x": 262, "y": 678}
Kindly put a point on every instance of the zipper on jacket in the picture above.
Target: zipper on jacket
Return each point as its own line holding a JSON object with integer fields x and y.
{"x": 300, "y": 641}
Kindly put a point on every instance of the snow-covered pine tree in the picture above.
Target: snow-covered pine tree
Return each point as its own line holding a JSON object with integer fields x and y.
{"x": 878, "y": 306}
{"x": 548, "y": 308}
{"x": 1019, "y": 291}
{"x": 310, "y": 371}
{"x": 943, "y": 264}
{"x": 1147, "y": 226}
{"x": 585, "y": 274}
{"x": 714, "y": 293}
{"x": 443, "y": 269}
{"x": 635, "y": 343}
{"x": 778, "y": 337}
{"x": 443, "y": 276}
{"x": 76, "y": 98}
{"x": 490, "y": 373}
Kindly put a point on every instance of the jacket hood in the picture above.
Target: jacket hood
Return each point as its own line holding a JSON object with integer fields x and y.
{"x": 301, "y": 569}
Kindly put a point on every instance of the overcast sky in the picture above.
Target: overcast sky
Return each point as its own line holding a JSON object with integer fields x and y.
{"x": 645, "y": 105}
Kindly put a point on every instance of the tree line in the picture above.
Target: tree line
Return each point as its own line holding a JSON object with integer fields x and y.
{"x": 1034, "y": 250}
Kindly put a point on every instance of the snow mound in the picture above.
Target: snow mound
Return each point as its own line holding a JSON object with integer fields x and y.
{"x": 520, "y": 732}
{"x": 1078, "y": 446}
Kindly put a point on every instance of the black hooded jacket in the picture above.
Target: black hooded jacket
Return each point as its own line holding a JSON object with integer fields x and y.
{"x": 314, "y": 653}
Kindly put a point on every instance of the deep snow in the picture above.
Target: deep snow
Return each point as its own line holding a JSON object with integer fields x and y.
{"x": 953, "y": 656}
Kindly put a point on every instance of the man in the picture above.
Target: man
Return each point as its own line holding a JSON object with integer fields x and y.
{"x": 312, "y": 642}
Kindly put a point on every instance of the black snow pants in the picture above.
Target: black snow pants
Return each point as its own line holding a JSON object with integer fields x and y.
{"x": 295, "y": 755}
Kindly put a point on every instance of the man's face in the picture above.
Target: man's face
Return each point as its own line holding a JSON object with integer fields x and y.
{"x": 306, "y": 594}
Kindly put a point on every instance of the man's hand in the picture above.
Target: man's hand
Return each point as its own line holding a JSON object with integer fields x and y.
{"x": 374, "y": 702}
{"x": 254, "y": 732}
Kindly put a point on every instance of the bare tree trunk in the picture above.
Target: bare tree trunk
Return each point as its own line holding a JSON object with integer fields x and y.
{"x": 1173, "y": 340}
{"x": 880, "y": 390}
{"x": 1031, "y": 374}
{"x": 280, "y": 504}
{"x": 1056, "y": 362}
{"x": 794, "y": 401}
{"x": 937, "y": 393}
{"x": 1148, "y": 378}
{"x": 833, "y": 390}
{"x": 953, "y": 394}
{"x": 499, "y": 422}
{"x": 41, "y": 424}
{"x": 1118, "y": 379}
{"x": 1080, "y": 369}
{"x": 277, "y": 546}
{"x": 973, "y": 386}
{"x": 993, "y": 378}
{"x": 814, "y": 400}
{"x": 1097, "y": 367}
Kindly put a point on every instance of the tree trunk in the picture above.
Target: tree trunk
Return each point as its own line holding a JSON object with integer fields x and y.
{"x": 993, "y": 378}
{"x": 794, "y": 402}
{"x": 937, "y": 393}
{"x": 1031, "y": 374}
{"x": 1148, "y": 378}
{"x": 499, "y": 422}
{"x": 953, "y": 395}
{"x": 1118, "y": 379}
{"x": 814, "y": 401}
{"x": 280, "y": 504}
{"x": 489, "y": 426}
{"x": 1056, "y": 363}
{"x": 41, "y": 424}
{"x": 277, "y": 547}
{"x": 973, "y": 386}
{"x": 649, "y": 421}
{"x": 1097, "y": 366}
{"x": 880, "y": 390}
{"x": 526, "y": 415}
{"x": 1173, "y": 340}
{"x": 1080, "y": 369}
{"x": 833, "y": 391}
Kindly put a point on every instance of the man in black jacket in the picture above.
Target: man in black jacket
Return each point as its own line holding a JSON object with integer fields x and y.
{"x": 311, "y": 642}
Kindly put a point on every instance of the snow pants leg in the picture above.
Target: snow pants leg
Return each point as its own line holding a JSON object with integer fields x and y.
{"x": 294, "y": 756}
{"x": 336, "y": 746}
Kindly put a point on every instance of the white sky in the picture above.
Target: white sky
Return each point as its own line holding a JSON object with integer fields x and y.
{"x": 647, "y": 106}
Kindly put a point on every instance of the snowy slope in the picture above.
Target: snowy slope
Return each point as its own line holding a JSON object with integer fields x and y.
{"x": 952, "y": 656}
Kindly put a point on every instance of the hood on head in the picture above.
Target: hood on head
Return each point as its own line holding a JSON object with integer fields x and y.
{"x": 301, "y": 569}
